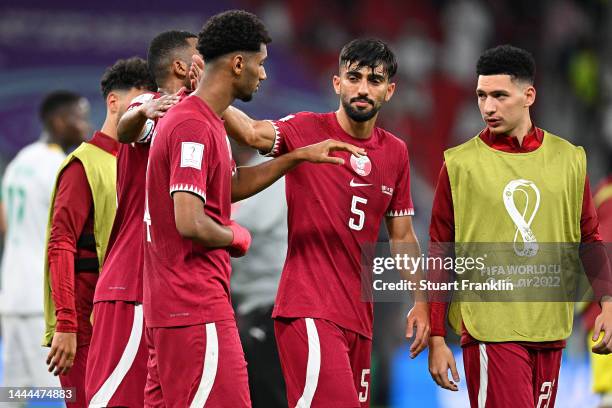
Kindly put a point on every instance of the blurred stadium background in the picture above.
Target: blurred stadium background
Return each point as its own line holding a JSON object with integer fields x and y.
{"x": 66, "y": 44}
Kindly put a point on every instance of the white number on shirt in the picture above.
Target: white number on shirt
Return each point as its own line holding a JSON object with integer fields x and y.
{"x": 356, "y": 223}
{"x": 363, "y": 396}
{"x": 16, "y": 205}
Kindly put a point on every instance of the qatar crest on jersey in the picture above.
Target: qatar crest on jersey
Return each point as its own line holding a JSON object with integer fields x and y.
{"x": 362, "y": 165}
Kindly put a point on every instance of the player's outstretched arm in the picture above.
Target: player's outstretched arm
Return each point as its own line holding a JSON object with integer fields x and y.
{"x": 131, "y": 126}
{"x": 403, "y": 242}
{"x": 248, "y": 181}
{"x": 192, "y": 223}
{"x": 258, "y": 134}
{"x": 441, "y": 360}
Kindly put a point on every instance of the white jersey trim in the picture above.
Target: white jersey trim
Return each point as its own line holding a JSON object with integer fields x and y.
{"x": 484, "y": 376}
{"x": 313, "y": 366}
{"x": 112, "y": 383}
{"x": 188, "y": 188}
{"x": 400, "y": 213}
{"x": 209, "y": 371}
{"x": 276, "y": 145}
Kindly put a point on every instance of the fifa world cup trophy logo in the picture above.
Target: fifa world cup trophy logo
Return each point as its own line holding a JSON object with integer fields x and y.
{"x": 522, "y": 220}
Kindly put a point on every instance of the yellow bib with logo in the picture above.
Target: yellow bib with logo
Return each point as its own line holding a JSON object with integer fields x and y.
{"x": 520, "y": 200}
{"x": 101, "y": 171}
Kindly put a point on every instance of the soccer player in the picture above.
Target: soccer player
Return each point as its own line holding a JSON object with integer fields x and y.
{"x": 82, "y": 211}
{"x": 195, "y": 355}
{"x": 601, "y": 365}
{"x": 323, "y": 328}
{"x": 511, "y": 356}
{"x": 117, "y": 363}
{"x": 26, "y": 191}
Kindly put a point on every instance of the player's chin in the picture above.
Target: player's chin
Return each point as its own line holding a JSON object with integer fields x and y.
{"x": 246, "y": 98}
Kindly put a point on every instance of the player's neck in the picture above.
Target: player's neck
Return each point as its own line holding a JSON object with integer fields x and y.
{"x": 109, "y": 127}
{"x": 217, "y": 95}
{"x": 522, "y": 130}
{"x": 171, "y": 86}
{"x": 358, "y": 130}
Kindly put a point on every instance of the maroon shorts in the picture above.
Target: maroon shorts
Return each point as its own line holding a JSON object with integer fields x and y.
{"x": 193, "y": 366}
{"x": 511, "y": 375}
{"x": 117, "y": 363}
{"x": 76, "y": 377}
{"x": 323, "y": 364}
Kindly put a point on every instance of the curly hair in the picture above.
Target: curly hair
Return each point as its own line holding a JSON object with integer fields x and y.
{"x": 507, "y": 60}
{"x": 369, "y": 52}
{"x": 231, "y": 31}
{"x": 163, "y": 48}
{"x": 126, "y": 74}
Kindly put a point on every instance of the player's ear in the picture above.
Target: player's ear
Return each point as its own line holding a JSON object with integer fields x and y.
{"x": 390, "y": 91}
{"x": 336, "y": 84}
{"x": 530, "y": 95}
{"x": 112, "y": 102}
{"x": 238, "y": 63}
{"x": 180, "y": 68}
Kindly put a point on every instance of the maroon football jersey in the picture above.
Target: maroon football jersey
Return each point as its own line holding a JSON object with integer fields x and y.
{"x": 121, "y": 277}
{"x": 186, "y": 283}
{"x": 333, "y": 210}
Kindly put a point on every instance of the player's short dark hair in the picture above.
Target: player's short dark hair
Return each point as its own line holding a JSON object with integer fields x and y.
{"x": 231, "y": 31}
{"x": 507, "y": 60}
{"x": 369, "y": 52}
{"x": 162, "y": 51}
{"x": 56, "y": 100}
{"x": 126, "y": 74}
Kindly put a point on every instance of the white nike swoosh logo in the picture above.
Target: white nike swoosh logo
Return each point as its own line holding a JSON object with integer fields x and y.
{"x": 353, "y": 184}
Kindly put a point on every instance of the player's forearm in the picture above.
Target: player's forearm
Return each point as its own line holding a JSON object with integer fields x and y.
{"x": 61, "y": 278}
{"x": 240, "y": 127}
{"x": 193, "y": 223}
{"x": 404, "y": 244}
{"x": 130, "y": 125}
{"x": 251, "y": 180}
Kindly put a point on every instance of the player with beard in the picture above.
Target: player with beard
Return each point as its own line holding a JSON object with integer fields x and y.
{"x": 191, "y": 181}
{"x": 117, "y": 363}
{"x": 323, "y": 328}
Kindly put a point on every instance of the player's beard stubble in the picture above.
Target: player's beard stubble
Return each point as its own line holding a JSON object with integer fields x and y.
{"x": 359, "y": 115}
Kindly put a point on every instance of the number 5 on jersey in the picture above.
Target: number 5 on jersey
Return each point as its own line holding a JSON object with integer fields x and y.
{"x": 356, "y": 223}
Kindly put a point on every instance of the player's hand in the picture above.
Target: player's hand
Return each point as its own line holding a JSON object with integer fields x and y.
{"x": 63, "y": 351}
{"x": 418, "y": 317}
{"x": 157, "y": 108}
{"x": 441, "y": 360}
{"x": 320, "y": 152}
{"x": 196, "y": 70}
{"x": 603, "y": 323}
{"x": 241, "y": 242}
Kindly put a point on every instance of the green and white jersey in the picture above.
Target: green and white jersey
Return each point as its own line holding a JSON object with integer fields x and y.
{"x": 26, "y": 194}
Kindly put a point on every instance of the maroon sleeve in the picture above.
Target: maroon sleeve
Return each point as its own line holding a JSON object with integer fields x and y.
{"x": 593, "y": 256}
{"x": 72, "y": 206}
{"x": 589, "y": 224}
{"x": 287, "y": 134}
{"x": 441, "y": 232}
{"x": 190, "y": 158}
{"x": 401, "y": 202}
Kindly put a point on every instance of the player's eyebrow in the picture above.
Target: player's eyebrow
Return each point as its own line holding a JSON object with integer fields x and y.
{"x": 353, "y": 72}
{"x": 377, "y": 77}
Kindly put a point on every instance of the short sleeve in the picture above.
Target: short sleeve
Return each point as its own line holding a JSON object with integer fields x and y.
{"x": 287, "y": 134}
{"x": 149, "y": 126}
{"x": 401, "y": 202}
{"x": 189, "y": 144}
